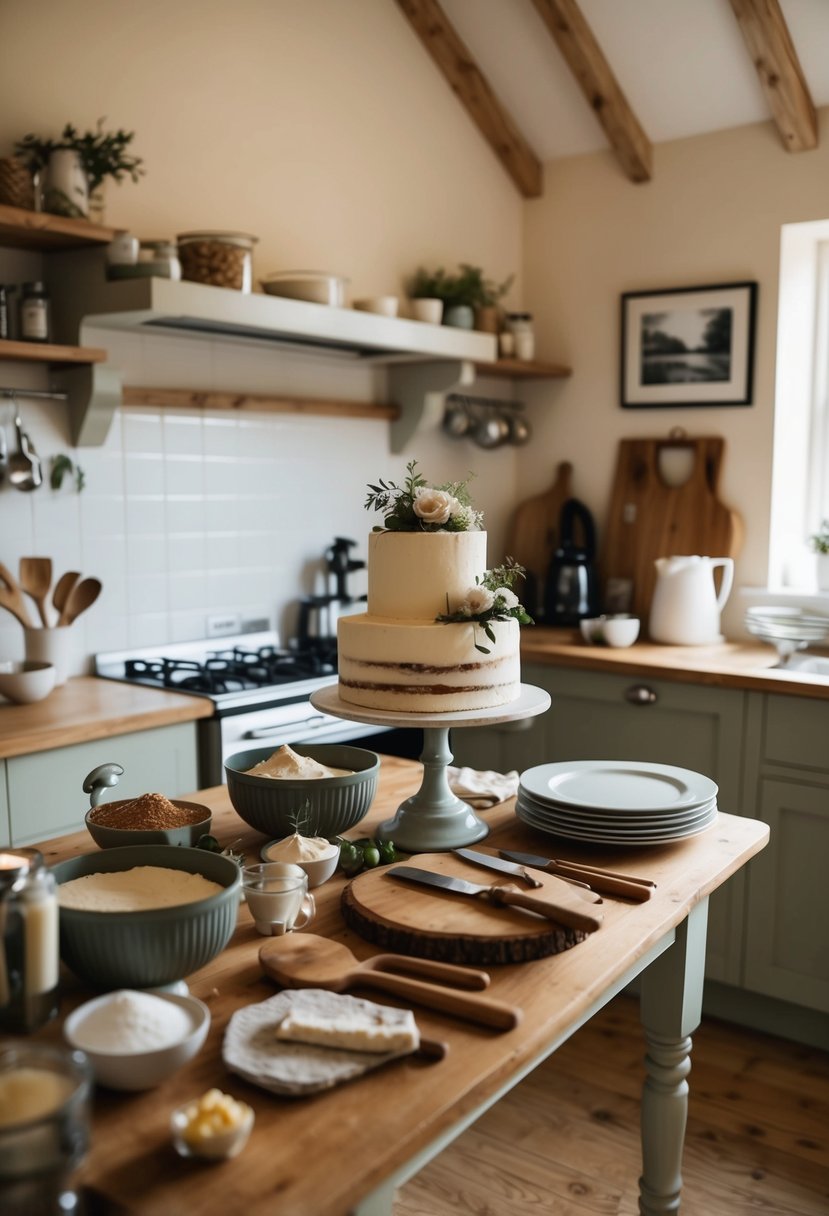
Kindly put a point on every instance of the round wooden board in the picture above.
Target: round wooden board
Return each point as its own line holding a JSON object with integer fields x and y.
{"x": 407, "y": 918}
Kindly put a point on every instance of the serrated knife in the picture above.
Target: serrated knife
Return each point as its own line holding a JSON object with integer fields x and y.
{"x": 500, "y": 896}
{"x": 489, "y": 862}
{"x": 604, "y": 881}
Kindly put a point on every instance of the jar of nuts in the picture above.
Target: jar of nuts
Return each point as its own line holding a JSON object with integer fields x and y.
{"x": 221, "y": 259}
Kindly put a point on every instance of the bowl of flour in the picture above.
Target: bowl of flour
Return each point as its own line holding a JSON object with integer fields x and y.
{"x": 145, "y": 916}
{"x": 136, "y": 1039}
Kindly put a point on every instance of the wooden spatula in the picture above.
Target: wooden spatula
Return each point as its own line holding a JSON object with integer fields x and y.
{"x": 304, "y": 960}
{"x": 62, "y": 589}
{"x": 36, "y": 581}
{"x": 82, "y": 596}
{"x": 11, "y": 598}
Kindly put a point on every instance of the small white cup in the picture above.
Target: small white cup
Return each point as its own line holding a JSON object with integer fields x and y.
{"x": 277, "y": 894}
{"x": 51, "y": 646}
{"x": 428, "y": 310}
{"x": 123, "y": 250}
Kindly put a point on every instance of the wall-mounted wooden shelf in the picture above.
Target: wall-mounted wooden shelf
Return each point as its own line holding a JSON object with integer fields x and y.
{"x": 185, "y": 398}
{"x": 520, "y": 369}
{"x": 48, "y": 352}
{"x": 21, "y": 229}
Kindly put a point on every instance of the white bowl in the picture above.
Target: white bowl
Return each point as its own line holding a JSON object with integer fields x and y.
{"x": 618, "y": 631}
{"x": 139, "y": 1069}
{"x": 223, "y": 1144}
{"x": 319, "y": 870}
{"x": 591, "y": 628}
{"x": 315, "y": 286}
{"x": 385, "y": 306}
{"x": 26, "y": 682}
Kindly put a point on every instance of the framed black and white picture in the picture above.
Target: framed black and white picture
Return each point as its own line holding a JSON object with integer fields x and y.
{"x": 691, "y": 346}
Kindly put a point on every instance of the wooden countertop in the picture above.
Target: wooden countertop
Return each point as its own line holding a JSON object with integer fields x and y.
{"x": 87, "y": 708}
{"x": 727, "y": 665}
{"x": 318, "y": 1156}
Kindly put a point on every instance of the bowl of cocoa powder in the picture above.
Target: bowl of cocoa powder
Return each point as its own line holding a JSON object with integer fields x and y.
{"x": 147, "y": 819}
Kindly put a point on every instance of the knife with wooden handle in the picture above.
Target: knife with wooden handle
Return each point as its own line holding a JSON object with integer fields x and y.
{"x": 604, "y": 881}
{"x": 500, "y": 896}
{"x": 518, "y": 871}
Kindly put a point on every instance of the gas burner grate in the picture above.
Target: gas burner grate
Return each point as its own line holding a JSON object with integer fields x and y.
{"x": 233, "y": 669}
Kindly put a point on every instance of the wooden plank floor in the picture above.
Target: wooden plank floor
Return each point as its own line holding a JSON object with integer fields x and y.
{"x": 565, "y": 1142}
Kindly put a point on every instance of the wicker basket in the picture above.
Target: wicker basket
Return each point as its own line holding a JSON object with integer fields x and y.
{"x": 16, "y": 184}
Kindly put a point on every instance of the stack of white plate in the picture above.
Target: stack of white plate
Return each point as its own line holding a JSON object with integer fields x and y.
{"x": 616, "y": 801}
{"x": 787, "y": 629}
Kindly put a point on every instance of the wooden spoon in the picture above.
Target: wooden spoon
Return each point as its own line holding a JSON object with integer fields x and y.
{"x": 82, "y": 596}
{"x": 62, "y": 588}
{"x": 11, "y": 598}
{"x": 36, "y": 581}
{"x": 304, "y": 960}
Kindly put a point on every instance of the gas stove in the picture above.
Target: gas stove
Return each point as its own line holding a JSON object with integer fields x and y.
{"x": 233, "y": 672}
{"x": 260, "y": 692}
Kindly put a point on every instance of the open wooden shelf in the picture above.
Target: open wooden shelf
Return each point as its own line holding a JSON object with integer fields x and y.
{"x": 521, "y": 369}
{"x": 48, "y": 352}
{"x": 184, "y": 398}
{"x": 22, "y": 229}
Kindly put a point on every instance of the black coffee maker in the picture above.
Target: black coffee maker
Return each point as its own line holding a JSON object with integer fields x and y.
{"x": 318, "y": 614}
{"x": 571, "y": 591}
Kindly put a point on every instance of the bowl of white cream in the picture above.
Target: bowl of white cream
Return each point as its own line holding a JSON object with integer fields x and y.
{"x": 320, "y": 790}
{"x": 315, "y": 855}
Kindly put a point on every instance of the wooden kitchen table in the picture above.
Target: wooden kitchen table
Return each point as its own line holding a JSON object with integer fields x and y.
{"x": 347, "y": 1149}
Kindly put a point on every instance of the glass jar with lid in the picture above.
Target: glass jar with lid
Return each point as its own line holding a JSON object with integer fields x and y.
{"x": 220, "y": 259}
{"x": 29, "y": 953}
{"x": 520, "y": 325}
{"x": 160, "y": 259}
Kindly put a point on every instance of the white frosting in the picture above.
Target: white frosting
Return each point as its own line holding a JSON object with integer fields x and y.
{"x": 410, "y": 574}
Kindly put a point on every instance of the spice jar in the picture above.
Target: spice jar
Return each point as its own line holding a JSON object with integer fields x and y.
{"x": 521, "y": 326}
{"x": 35, "y": 313}
{"x": 221, "y": 259}
{"x": 29, "y": 950}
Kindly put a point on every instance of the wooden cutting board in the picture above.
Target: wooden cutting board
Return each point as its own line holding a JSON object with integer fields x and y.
{"x": 410, "y": 919}
{"x": 648, "y": 518}
{"x": 533, "y": 534}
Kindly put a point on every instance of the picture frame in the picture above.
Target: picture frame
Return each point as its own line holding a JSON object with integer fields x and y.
{"x": 688, "y": 346}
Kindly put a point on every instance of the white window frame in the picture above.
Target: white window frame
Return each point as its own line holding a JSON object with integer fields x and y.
{"x": 800, "y": 474}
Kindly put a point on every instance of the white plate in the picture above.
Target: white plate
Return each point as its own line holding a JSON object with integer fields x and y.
{"x": 613, "y": 818}
{"x": 626, "y": 840}
{"x": 619, "y": 827}
{"x": 618, "y": 785}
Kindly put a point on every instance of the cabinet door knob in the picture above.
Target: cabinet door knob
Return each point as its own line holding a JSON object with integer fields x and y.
{"x": 640, "y": 694}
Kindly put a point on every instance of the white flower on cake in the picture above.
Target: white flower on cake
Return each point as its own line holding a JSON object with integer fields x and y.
{"x": 435, "y": 506}
{"x": 418, "y": 507}
{"x": 478, "y": 600}
{"x": 491, "y": 599}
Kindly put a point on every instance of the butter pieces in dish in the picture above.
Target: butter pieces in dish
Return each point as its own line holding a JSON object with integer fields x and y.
{"x": 253, "y": 1050}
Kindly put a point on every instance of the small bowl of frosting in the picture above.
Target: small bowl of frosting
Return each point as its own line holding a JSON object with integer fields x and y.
{"x": 315, "y": 855}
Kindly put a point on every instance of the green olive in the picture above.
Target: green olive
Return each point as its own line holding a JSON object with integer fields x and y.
{"x": 371, "y": 855}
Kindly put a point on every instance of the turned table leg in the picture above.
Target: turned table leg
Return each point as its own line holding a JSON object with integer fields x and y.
{"x": 671, "y": 1007}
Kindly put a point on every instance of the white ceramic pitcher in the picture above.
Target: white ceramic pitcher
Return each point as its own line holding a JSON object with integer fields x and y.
{"x": 685, "y": 610}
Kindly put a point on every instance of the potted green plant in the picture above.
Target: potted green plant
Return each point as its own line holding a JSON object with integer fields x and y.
{"x": 71, "y": 171}
{"x": 463, "y": 294}
{"x": 819, "y": 543}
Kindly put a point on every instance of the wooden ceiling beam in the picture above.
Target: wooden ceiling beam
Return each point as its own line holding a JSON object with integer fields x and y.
{"x": 769, "y": 42}
{"x": 471, "y": 87}
{"x": 585, "y": 59}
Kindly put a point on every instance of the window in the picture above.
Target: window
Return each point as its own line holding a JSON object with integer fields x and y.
{"x": 800, "y": 480}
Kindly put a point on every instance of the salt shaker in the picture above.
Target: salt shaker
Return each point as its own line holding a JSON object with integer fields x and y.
{"x": 29, "y": 950}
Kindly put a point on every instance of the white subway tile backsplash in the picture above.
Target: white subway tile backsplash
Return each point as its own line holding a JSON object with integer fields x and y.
{"x": 147, "y": 592}
{"x": 186, "y": 514}
{"x": 145, "y": 515}
{"x": 187, "y": 591}
{"x": 102, "y": 514}
{"x": 184, "y": 475}
{"x": 187, "y": 626}
{"x": 183, "y": 435}
{"x": 142, "y": 431}
{"x": 186, "y": 552}
{"x": 220, "y": 436}
{"x": 148, "y": 629}
{"x": 146, "y": 553}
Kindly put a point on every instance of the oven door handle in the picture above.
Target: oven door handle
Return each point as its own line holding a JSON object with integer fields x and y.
{"x": 313, "y": 723}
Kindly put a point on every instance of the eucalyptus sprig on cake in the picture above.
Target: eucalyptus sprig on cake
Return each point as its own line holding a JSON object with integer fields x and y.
{"x": 418, "y": 507}
{"x": 491, "y": 599}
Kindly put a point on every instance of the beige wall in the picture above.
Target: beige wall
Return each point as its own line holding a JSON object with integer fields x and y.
{"x": 321, "y": 126}
{"x": 711, "y": 214}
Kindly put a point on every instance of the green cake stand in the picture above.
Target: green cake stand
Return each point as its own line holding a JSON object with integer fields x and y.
{"x": 434, "y": 819}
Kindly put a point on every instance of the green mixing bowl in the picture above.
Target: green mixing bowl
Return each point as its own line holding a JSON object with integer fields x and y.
{"x": 113, "y": 838}
{"x": 158, "y": 946}
{"x": 324, "y": 807}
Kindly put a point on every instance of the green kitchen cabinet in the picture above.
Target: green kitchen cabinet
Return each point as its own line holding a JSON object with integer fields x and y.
{"x": 599, "y": 716}
{"x": 45, "y": 789}
{"x": 787, "y": 785}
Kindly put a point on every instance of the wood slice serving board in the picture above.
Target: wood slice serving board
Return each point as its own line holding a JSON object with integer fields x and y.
{"x": 435, "y": 924}
{"x": 649, "y": 518}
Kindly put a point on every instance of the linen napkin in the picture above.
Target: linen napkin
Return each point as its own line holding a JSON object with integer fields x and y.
{"x": 482, "y": 789}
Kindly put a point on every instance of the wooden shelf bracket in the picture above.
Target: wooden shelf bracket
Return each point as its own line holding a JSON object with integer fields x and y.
{"x": 419, "y": 390}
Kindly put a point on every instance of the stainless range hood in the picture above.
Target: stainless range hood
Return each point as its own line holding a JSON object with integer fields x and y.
{"x": 82, "y": 297}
